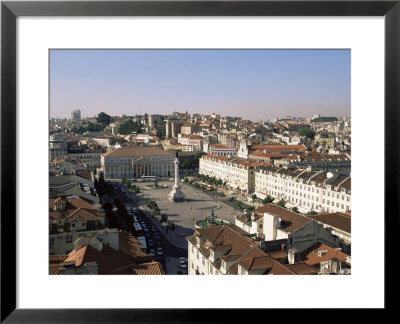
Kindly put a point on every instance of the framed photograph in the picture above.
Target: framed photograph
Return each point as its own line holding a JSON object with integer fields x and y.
{"x": 179, "y": 120}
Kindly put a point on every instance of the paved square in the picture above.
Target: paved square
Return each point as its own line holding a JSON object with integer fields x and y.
{"x": 185, "y": 214}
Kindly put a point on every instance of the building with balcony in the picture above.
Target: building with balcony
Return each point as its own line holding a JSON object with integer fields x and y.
{"x": 225, "y": 250}
{"x": 236, "y": 173}
{"x": 310, "y": 190}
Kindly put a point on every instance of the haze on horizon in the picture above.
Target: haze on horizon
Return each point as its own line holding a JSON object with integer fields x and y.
{"x": 253, "y": 84}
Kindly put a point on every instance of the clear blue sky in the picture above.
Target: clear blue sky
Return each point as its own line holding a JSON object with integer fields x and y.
{"x": 253, "y": 84}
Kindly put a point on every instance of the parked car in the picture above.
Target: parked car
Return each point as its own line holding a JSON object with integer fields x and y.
{"x": 157, "y": 236}
{"x": 151, "y": 243}
{"x": 160, "y": 251}
{"x": 151, "y": 253}
{"x": 153, "y": 229}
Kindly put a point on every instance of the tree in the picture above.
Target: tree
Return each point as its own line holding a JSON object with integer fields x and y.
{"x": 251, "y": 208}
{"x": 231, "y": 199}
{"x": 281, "y": 203}
{"x": 307, "y": 132}
{"x": 103, "y": 118}
{"x": 295, "y": 209}
{"x": 130, "y": 127}
{"x": 253, "y": 198}
{"x": 323, "y": 143}
{"x": 171, "y": 225}
{"x": 196, "y": 158}
{"x": 267, "y": 200}
{"x": 164, "y": 218}
{"x": 312, "y": 212}
{"x": 156, "y": 211}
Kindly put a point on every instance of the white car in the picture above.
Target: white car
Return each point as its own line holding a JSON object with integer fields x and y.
{"x": 151, "y": 253}
{"x": 160, "y": 251}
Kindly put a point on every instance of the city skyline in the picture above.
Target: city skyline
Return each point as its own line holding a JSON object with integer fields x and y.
{"x": 253, "y": 84}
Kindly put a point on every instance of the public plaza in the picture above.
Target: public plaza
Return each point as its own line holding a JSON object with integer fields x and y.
{"x": 196, "y": 207}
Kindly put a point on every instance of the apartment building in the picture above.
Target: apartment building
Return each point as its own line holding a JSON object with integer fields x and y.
{"x": 310, "y": 190}
{"x": 274, "y": 224}
{"x": 236, "y": 173}
{"x": 224, "y": 250}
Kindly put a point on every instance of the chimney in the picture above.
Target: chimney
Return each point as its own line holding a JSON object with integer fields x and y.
{"x": 293, "y": 256}
{"x": 253, "y": 216}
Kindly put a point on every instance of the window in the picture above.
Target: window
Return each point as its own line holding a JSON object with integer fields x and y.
{"x": 73, "y": 225}
{"x": 197, "y": 255}
{"x": 192, "y": 249}
{"x": 203, "y": 260}
{"x": 68, "y": 239}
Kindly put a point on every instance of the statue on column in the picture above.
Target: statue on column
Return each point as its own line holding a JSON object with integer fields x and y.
{"x": 176, "y": 194}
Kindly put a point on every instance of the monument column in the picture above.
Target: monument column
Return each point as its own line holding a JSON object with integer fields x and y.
{"x": 176, "y": 194}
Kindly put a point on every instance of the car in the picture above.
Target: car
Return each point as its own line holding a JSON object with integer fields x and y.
{"x": 157, "y": 236}
{"x": 153, "y": 229}
{"x": 147, "y": 234}
{"x": 151, "y": 243}
{"x": 160, "y": 251}
{"x": 145, "y": 229}
{"x": 151, "y": 253}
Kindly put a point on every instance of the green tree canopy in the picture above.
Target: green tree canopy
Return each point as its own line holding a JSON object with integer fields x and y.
{"x": 307, "y": 132}
{"x": 267, "y": 200}
{"x": 130, "y": 127}
{"x": 281, "y": 203}
{"x": 103, "y": 118}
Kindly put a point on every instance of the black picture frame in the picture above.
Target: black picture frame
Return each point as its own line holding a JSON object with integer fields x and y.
{"x": 10, "y": 10}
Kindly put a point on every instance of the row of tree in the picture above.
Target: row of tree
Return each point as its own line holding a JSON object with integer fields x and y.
{"x": 128, "y": 184}
{"x": 155, "y": 211}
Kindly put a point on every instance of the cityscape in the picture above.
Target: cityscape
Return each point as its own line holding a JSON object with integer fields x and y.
{"x": 193, "y": 192}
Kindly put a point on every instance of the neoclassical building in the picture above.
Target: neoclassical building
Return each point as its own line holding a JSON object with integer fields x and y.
{"x": 317, "y": 190}
{"x": 134, "y": 162}
{"x": 237, "y": 173}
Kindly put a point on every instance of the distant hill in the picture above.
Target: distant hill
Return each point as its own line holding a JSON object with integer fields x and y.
{"x": 324, "y": 119}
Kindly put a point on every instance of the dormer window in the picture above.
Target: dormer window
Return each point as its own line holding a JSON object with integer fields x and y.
{"x": 322, "y": 253}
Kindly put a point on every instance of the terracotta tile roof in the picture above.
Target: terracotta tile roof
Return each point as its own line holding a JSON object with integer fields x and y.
{"x": 302, "y": 268}
{"x": 257, "y": 263}
{"x": 290, "y": 221}
{"x": 74, "y": 202}
{"x": 149, "y": 268}
{"x": 278, "y": 254}
{"x": 84, "y": 215}
{"x": 130, "y": 245}
{"x": 278, "y": 148}
{"x": 222, "y": 146}
{"x": 338, "y": 220}
{"x": 54, "y": 263}
{"x": 311, "y": 256}
{"x": 280, "y": 269}
{"x": 136, "y": 151}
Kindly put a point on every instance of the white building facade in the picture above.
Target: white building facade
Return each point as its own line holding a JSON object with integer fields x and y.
{"x": 237, "y": 173}
{"x": 134, "y": 162}
{"x": 320, "y": 191}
